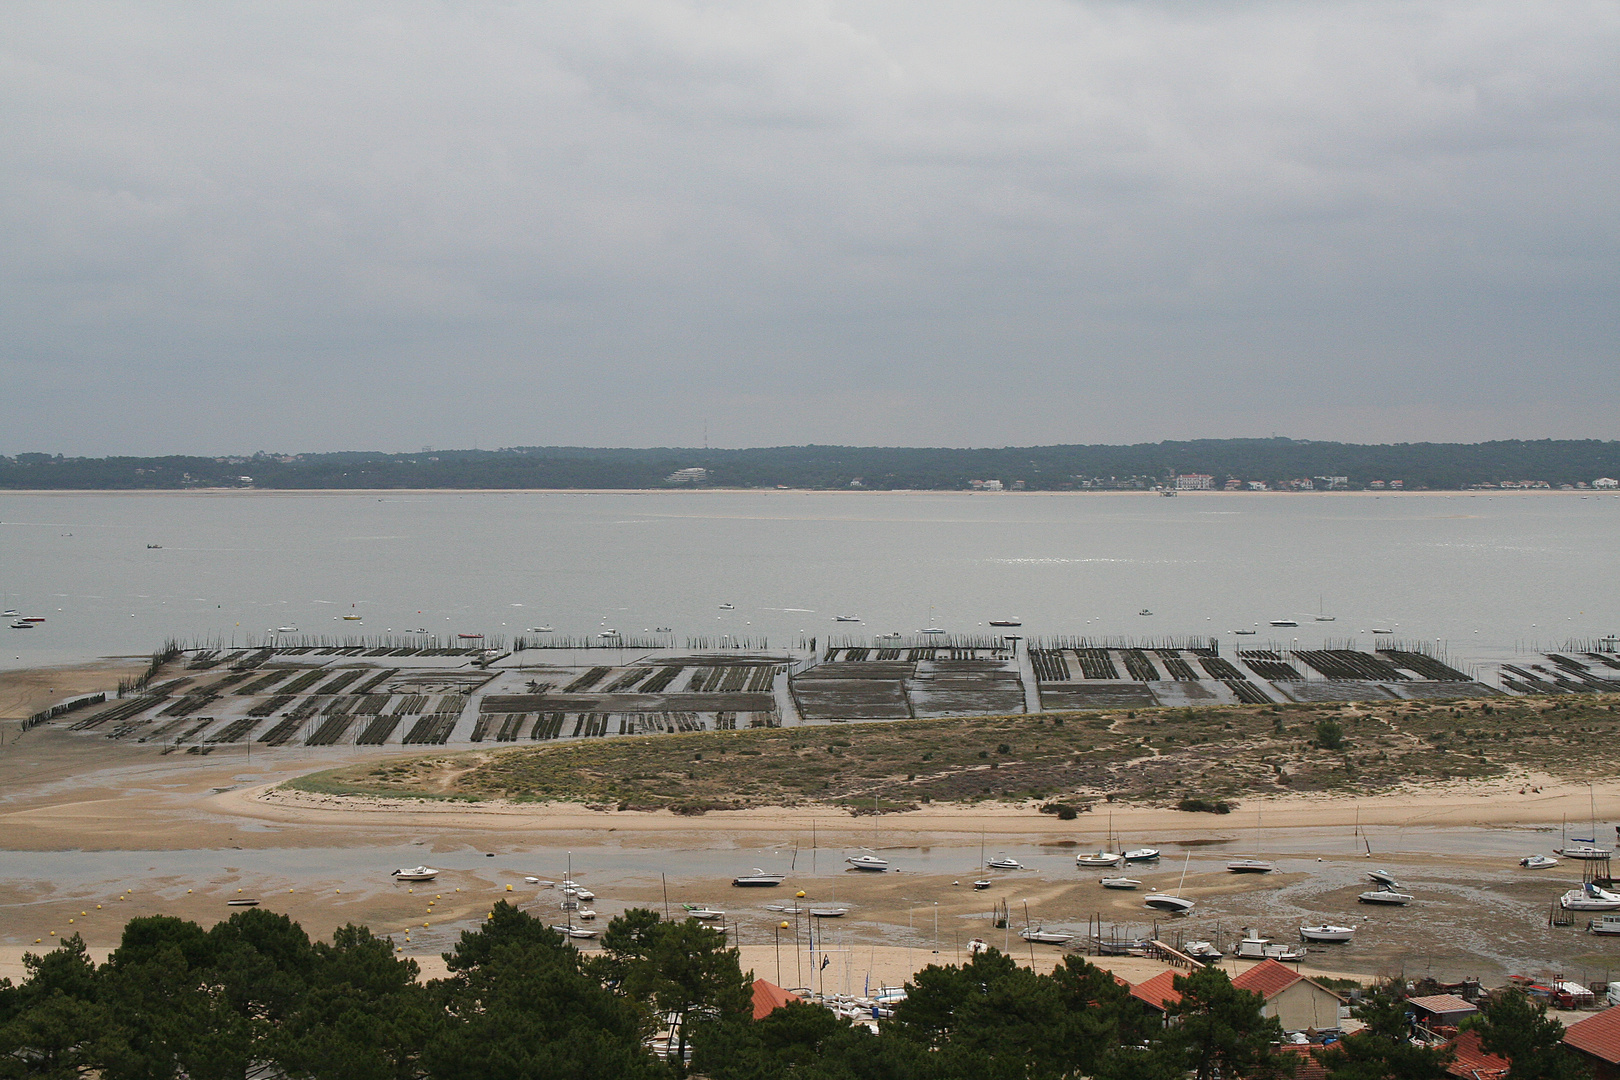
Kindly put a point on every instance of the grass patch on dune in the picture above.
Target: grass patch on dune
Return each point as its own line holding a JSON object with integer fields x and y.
{"x": 1161, "y": 756}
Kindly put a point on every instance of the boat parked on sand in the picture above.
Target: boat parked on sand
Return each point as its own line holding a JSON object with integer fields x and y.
{"x": 1327, "y": 932}
{"x": 1006, "y": 622}
{"x": 1041, "y": 936}
{"x": 1605, "y": 925}
{"x": 1250, "y": 866}
{"x": 1099, "y": 858}
{"x": 1383, "y": 877}
{"x": 1255, "y": 947}
{"x": 1120, "y": 883}
{"x": 415, "y": 873}
{"x": 1590, "y": 897}
{"x": 1202, "y": 950}
{"x": 1002, "y": 862}
{"x": 576, "y": 931}
{"x": 703, "y": 912}
{"x": 1538, "y": 862}
{"x": 1386, "y": 895}
{"x": 1142, "y": 854}
{"x": 828, "y": 912}
{"x": 868, "y": 862}
{"x": 759, "y": 879}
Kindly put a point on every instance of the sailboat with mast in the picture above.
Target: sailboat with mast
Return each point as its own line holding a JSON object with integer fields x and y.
{"x": 1585, "y": 847}
{"x": 1174, "y": 903}
{"x": 1105, "y": 855}
{"x": 1255, "y": 865}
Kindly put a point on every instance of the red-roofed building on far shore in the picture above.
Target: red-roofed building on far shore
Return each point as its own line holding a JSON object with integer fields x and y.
{"x": 1596, "y": 1041}
{"x": 768, "y": 997}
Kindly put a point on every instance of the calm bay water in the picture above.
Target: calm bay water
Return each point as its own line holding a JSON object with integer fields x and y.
{"x": 1482, "y": 575}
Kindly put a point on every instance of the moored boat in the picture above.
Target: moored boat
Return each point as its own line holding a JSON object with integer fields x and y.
{"x": 1006, "y": 622}
{"x": 1099, "y": 858}
{"x": 703, "y": 912}
{"x": 1202, "y": 950}
{"x": 1175, "y": 905}
{"x": 1120, "y": 883}
{"x": 576, "y": 931}
{"x": 1385, "y": 895}
{"x": 1606, "y": 925}
{"x": 828, "y": 912}
{"x": 1041, "y": 936}
{"x": 1002, "y": 862}
{"x": 1383, "y": 877}
{"x": 1327, "y": 932}
{"x": 415, "y": 873}
{"x": 1538, "y": 862}
{"x": 1284, "y": 622}
{"x": 1255, "y": 947}
{"x": 868, "y": 862}
{"x": 759, "y": 879}
{"x": 1590, "y": 897}
{"x": 1250, "y": 866}
{"x": 1142, "y": 854}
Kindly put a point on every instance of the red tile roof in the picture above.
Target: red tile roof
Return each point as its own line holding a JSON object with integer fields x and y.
{"x": 1598, "y": 1035}
{"x": 768, "y": 997}
{"x": 1267, "y": 978}
{"x": 1306, "y": 1067}
{"x": 1158, "y": 991}
{"x": 1472, "y": 1062}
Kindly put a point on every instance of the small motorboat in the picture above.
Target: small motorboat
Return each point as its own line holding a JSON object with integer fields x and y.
{"x": 1145, "y": 611}
{"x": 1590, "y": 897}
{"x": 1382, "y": 630}
{"x": 609, "y": 633}
{"x": 728, "y": 607}
{"x": 1175, "y": 905}
{"x": 846, "y": 618}
{"x": 1383, "y": 877}
{"x": 785, "y": 909}
{"x": 587, "y": 914}
{"x": 661, "y": 630}
{"x": 471, "y": 637}
{"x": 415, "y": 873}
{"x": 1242, "y": 633}
{"x": 759, "y": 879}
{"x": 1120, "y": 883}
{"x": 286, "y": 629}
{"x": 538, "y": 630}
{"x": 1006, "y": 622}
{"x": 1099, "y": 858}
{"x": 577, "y": 931}
{"x": 1255, "y": 947}
{"x": 1327, "y": 933}
{"x": 1250, "y": 866}
{"x": 1284, "y": 622}
{"x": 1041, "y": 936}
{"x": 576, "y": 890}
{"x": 868, "y": 862}
{"x": 1142, "y": 854}
{"x": 1389, "y": 897}
{"x": 1538, "y": 862}
{"x": 33, "y": 618}
{"x": 10, "y": 613}
{"x": 982, "y": 883}
{"x": 351, "y": 618}
{"x": 22, "y": 624}
{"x": 1002, "y": 862}
{"x": 242, "y": 901}
{"x": 932, "y": 630}
{"x": 1202, "y": 950}
{"x": 703, "y": 912}
{"x": 828, "y": 912}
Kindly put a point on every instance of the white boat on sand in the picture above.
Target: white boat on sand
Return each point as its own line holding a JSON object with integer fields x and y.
{"x": 1002, "y": 862}
{"x": 1538, "y": 862}
{"x": 1590, "y": 897}
{"x": 868, "y": 862}
{"x": 1250, "y": 866}
{"x": 1255, "y": 947}
{"x": 1099, "y": 858}
{"x": 1327, "y": 932}
{"x": 1120, "y": 883}
{"x": 1385, "y": 895}
{"x": 1041, "y": 936}
{"x": 415, "y": 873}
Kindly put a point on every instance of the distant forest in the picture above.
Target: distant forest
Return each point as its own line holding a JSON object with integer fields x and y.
{"x": 1274, "y": 462}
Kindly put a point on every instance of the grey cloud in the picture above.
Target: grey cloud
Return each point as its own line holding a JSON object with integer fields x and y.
{"x": 341, "y": 225}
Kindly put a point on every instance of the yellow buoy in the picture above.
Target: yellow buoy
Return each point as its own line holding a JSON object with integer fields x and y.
{"x": 53, "y": 933}
{"x": 509, "y": 888}
{"x": 98, "y": 907}
{"x": 84, "y": 913}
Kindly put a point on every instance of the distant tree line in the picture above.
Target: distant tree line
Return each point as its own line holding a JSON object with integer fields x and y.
{"x": 1038, "y": 468}
{"x": 254, "y": 996}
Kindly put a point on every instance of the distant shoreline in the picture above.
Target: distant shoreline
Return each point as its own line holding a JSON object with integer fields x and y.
{"x": 1089, "y": 493}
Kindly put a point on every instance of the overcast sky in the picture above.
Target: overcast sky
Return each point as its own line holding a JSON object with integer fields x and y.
{"x": 232, "y": 227}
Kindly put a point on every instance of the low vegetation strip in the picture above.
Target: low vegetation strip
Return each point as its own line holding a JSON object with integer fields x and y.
{"x": 1157, "y": 756}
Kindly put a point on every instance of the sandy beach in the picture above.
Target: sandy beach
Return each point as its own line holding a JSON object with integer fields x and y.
{"x": 97, "y": 832}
